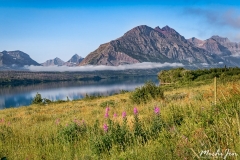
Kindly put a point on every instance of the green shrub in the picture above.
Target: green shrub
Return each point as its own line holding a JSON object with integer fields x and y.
{"x": 145, "y": 93}
{"x": 60, "y": 101}
{"x": 46, "y": 101}
{"x": 71, "y": 132}
{"x": 91, "y": 97}
{"x": 108, "y": 103}
{"x": 37, "y": 99}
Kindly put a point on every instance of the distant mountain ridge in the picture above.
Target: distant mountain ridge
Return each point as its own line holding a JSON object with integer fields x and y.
{"x": 74, "y": 61}
{"x": 146, "y": 44}
{"x": 16, "y": 59}
{"x": 233, "y": 47}
{"x": 223, "y": 47}
{"x": 53, "y": 62}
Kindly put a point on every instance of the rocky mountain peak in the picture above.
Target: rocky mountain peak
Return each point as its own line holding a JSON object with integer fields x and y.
{"x": 75, "y": 60}
{"x": 171, "y": 33}
{"x": 57, "y": 59}
{"x": 221, "y": 40}
{"x": 167, "y": 28}
{"x": 158, "y": 28}
{"x": 142, "y": 29}
{"x": 76, "y": 56}
{"x": 52, "y": 62}
{"x": 16, "y": 58}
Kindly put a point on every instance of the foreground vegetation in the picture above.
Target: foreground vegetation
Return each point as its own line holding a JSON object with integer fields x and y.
{"x": 182, "y": 124}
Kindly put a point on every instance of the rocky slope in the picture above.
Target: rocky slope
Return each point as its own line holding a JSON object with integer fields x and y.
{"x": 145, "y": 44}
{"x": 223, "y": 47}
{"x": 15, "y": 59}
{"x": 233, "y": 47}
{"x": 211, "y": 45}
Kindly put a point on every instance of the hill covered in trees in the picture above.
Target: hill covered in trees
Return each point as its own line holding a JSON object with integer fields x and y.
{"x": 183, "y": 76}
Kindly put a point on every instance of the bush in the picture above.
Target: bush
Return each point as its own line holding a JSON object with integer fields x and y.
{"x": 46, "y": 101}
{"x": 37, "y": 99}
{"x": 146, "y": 92}
{"x": 72, "y": 131}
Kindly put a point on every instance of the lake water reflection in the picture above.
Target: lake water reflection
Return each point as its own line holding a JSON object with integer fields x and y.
{"x": 23, "y": 95}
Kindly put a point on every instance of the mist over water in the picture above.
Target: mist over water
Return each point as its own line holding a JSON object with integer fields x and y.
{"x": 23, "y": 95}
{"x": 143, "y": 65}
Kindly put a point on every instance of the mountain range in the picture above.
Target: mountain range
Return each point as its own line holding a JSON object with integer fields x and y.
{"x": 145, "y": 44}
{"x": 16, "y": 59}
{"x": 74, "y": 61}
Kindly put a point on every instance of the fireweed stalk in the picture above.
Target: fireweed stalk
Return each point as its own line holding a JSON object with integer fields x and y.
{"x": 106, "y": 112}
{"x": 135, "y": 111}
{"x": 157, "y": 124}
{"x": 138, "y": 129}
{"x": 105, "y": 127}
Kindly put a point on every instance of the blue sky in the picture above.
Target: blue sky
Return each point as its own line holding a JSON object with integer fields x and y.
{"x": 46, "y": 29}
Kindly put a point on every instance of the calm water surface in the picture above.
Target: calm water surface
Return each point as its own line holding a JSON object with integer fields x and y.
{"x": 23, "y": 95}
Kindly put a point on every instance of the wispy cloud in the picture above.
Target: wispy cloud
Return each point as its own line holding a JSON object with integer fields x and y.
{"x": 144, "y": 65}
{"x": 228, "y": 18}
{"x": 236, "y": 37}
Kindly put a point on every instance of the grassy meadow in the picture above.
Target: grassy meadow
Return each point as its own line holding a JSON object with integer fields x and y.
{"x": 184, "y": 124}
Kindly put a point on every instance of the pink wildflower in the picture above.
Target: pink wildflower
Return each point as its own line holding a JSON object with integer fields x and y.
{"x": 115, "y": 115}
{"x": 107, "y": 109}
{"x": 135, "y": 111}
{"x": 106, "y": 115}
{"x": 156, "y": 110}
{"x": 124, "y": 114}
{"x": 105, "y": 127}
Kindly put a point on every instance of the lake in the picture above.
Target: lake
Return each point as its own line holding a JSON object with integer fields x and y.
{"x": 23, "y": 95}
